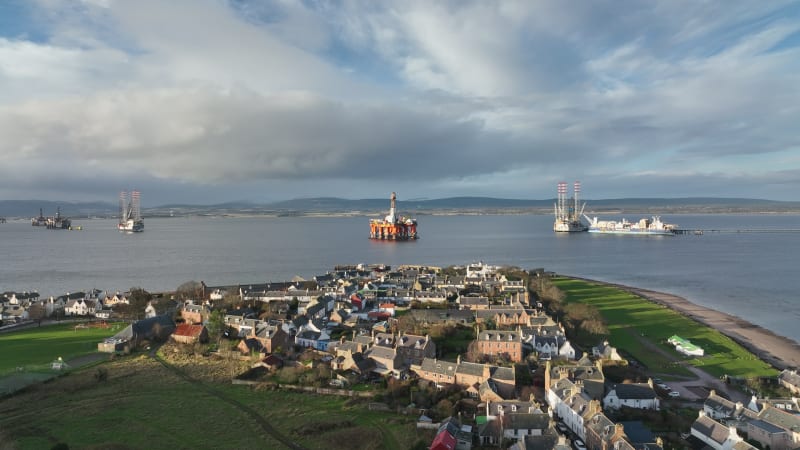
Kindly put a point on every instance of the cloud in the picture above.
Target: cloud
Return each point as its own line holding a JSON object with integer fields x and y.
{"x": 460, "y": 98}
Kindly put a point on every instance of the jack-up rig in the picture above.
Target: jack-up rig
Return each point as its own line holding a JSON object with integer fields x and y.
{"x": 130, "y": 213}
{"x": 568, "y": 218}
{"x": 392, "y": 227}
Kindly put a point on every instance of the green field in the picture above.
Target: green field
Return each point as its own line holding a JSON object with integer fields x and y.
{"x": 144, "y": 405}
{"x": 638, "y": 326}
{"x": 35, "y": 348}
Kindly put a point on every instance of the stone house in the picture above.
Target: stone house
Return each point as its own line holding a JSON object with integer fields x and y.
{"x": 790, "y": 379}
{"x": 500, "y": 343}
{"x": 775, "y": 428}
{"x": 189, "y": 334}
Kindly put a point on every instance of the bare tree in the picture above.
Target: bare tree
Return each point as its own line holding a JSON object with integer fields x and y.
{"x": 37, "y": 312}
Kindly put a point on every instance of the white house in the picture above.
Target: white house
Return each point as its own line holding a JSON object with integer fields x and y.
{"x": 715, "y": 434}
{"x": 79, "y": 307}
{"x": 634, "y": 395}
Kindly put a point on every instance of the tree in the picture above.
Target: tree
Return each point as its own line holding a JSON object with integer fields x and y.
{"x": 215, "y": 325}
{"x": 190, "y": 290}
{"x": 37, "y": 312}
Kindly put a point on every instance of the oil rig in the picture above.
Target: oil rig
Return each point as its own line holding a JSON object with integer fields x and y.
{"x": 52, "y": 223}
{"x": 392, "y": 227}
{"x": 568, "y": 218}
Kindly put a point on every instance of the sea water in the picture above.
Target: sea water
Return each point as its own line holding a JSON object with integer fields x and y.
{"x": 750, "y": 275}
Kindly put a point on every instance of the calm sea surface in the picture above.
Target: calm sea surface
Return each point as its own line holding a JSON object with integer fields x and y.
{"x": 751, "y": 275}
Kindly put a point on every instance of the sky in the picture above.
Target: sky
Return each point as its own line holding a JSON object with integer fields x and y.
{"x": 208, "y": 101}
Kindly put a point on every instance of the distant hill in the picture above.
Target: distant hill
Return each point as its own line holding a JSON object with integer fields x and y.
{"x": 334, "y": 205}
{"x": 30, "y": 208}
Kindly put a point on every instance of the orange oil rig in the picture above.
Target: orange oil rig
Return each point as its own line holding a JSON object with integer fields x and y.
{"x": 392, "y": 227}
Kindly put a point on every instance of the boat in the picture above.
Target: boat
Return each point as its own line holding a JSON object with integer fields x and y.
{"x": 568, "y": 219}
{"x": 57, "y": 222}
{"x": 130, "y": 215}
{"x": 644, "y": 227}
{"x": 393, "y": 227}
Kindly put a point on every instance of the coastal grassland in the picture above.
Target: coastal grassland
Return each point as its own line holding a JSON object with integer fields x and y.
{"x": 142, "y": 404}
{"x": 641, "y": 328}
{"x": 35, "y": 348}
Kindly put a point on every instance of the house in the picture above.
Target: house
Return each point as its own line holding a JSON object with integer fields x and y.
{"x": 387, "y": 361}
{"x": 443, "y": 316}
{"x": 186, "y": 333}
{"x": 156, "y": 328}
{"x": 500, "y": 343}
{"x": 718, "y": 407}
{"x": 150, "y": 311}
{"x": 467, "y": 375}
{"x": 517, "y": 425}
{"x": 549, "y": 440}
{"x": 472, "y": 302}
{"x": 80, "y": 307}
{"x": 605, "y": 351}
{"x": 116, "y": 299}
{"x": 14, "y": 312}
{"x": 312, "y": 335}
{"x": 714, "y": 434}
{"x": 602, "y": 432}
{"x": 552, "y": 346}
{"x": 590, "y": 376}
{"x": 790, "y": 379}
{"x": 775, "y": 428}
{"x": 192, "y": 313}
{"x": 452, "y": 436}
{"x": 412, "y": 349}
{"x": 633, "y": 395}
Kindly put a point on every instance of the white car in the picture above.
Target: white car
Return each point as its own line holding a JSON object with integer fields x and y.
{"x": 674, "y": 394}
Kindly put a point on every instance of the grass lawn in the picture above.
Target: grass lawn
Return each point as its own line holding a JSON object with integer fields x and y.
{"x": 144, "y": 405}
{"x": 636, "y": 325}
{"x": 35, "y": 348}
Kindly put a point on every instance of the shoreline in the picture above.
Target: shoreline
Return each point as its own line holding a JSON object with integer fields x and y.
{"x": 779, "y": 351}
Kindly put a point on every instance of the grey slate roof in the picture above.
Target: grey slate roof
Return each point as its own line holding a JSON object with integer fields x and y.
{"x": 709, "y": 427}
{"x": 527, "y": 421}
{"x": 634, "y": 391}
{"x": 438, "y": 366}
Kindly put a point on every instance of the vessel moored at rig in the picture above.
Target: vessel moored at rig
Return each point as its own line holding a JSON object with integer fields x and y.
{"x": 568, "y": 218}
{"x": 392, "y": 227}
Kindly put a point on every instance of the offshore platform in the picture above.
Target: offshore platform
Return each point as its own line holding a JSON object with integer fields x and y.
{"x": 392, "y": 227}
{"x": 568, "y": 218}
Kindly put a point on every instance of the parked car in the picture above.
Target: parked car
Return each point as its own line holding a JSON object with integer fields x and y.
{"x": 561, "y": 428}
{"x": 578, "y": 444}
{"x": 674, "y": 394}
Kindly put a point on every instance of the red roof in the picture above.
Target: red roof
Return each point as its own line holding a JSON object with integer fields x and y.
{"x": 387, "y": 306}
{"x": 443, "y": 441}
{"x": 185, "y": 329}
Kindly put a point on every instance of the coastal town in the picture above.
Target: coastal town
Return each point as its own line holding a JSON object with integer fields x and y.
{"x": 479, "y": 355}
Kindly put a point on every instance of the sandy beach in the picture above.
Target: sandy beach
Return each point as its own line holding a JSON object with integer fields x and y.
{"x": 779, "y": 351}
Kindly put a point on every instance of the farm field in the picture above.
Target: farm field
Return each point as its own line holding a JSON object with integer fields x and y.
{"x": 35, "y": 348}
{"x": 637, "y": 326}
{"x": 141, "y": 404}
